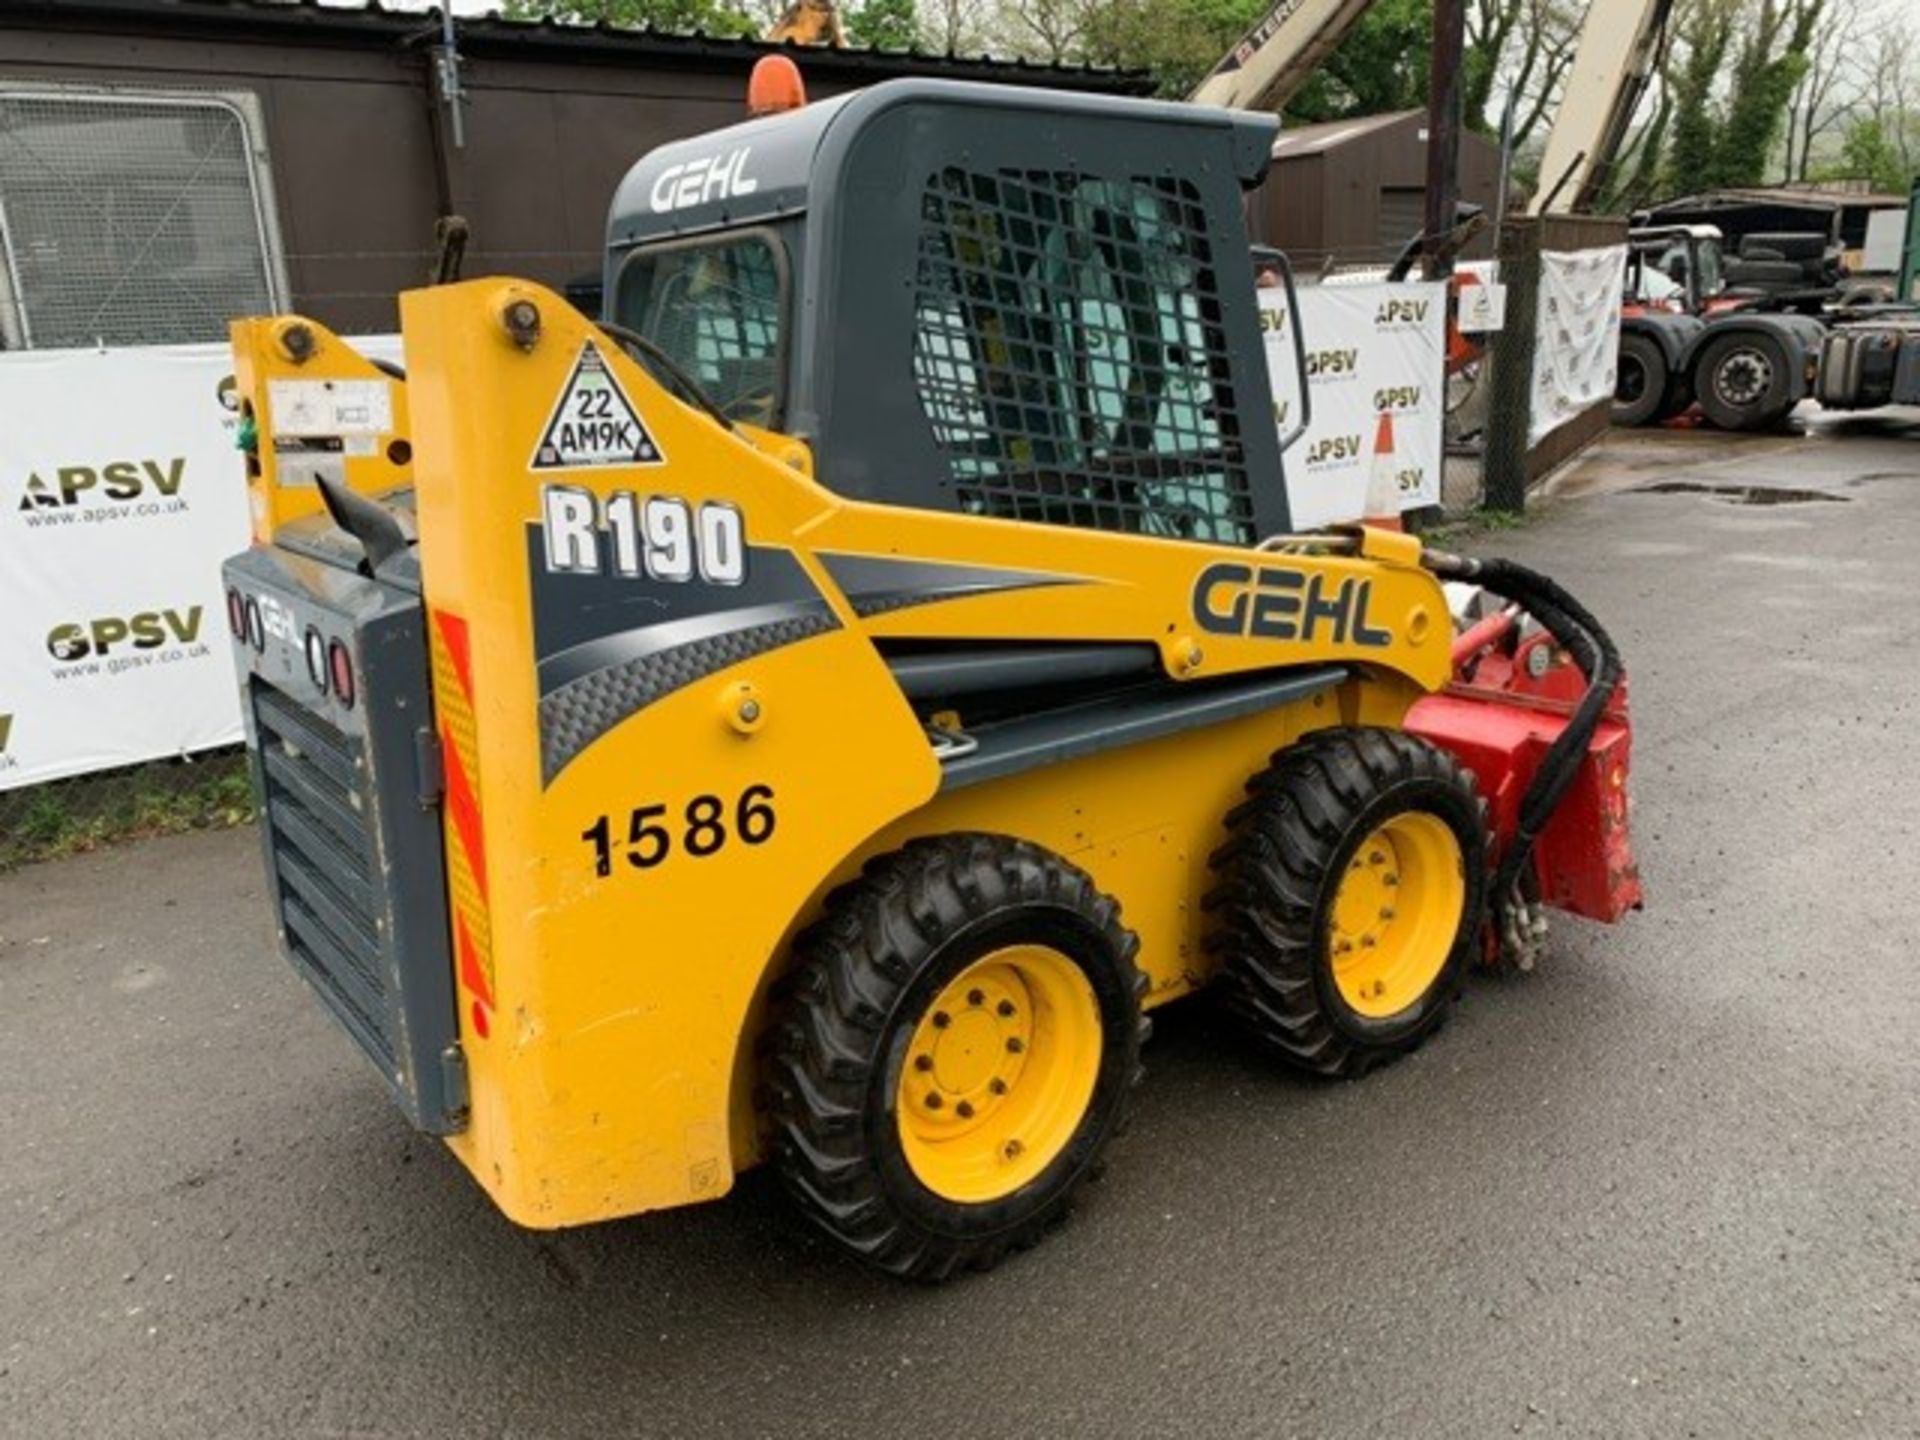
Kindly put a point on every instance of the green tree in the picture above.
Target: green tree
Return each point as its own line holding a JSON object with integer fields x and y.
{"x": 884, "y": 25}
{"x": 709, "y": 17}
{"x": 1867, "y": 154}
{"x": 1179, "y": 41}
{"x": 1730, "y": 91}
{"x": 1382, "y": 65}
{"x": 1705, "y": 33}
{"x": 1773, "y": 58}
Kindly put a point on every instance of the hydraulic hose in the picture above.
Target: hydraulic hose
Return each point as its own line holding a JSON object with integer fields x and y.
{"x": 1586, "y": 640}
{"x": 666, "y": 367}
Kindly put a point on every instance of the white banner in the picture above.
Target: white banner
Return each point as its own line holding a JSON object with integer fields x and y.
{"x": 1577, "y": 335}
{"x": 1376, "y": 366}
{"x": 120, "y": 496}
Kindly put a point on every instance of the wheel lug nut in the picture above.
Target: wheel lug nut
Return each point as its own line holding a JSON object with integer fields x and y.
{"x": 1012, "y": 1149}
{"x": 933, "y": 1102}
{"x": 941, "y": 1020}
{"x": 1386, "y": 912}
{"x": 923, "y": 1062}
{"x": 1376, "y": 858}
{"x": 997, "y": 1085}
{"x": 976, "y": 997}
{"x": 963, "y": 1110}
{"x": 1006, "y": 1008}
{"x": 1015, "y": 1045}
{"x": 1367, "y": 941}
{"x": 1389, "y": 879}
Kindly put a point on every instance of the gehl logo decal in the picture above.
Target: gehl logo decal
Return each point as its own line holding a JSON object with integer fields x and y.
{"x": 695, "y": 182}
{"x": 1274, "y": 603}
{"x": 118, "y": 480}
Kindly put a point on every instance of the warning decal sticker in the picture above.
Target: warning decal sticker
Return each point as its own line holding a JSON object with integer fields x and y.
{"x": 594, "y": 423}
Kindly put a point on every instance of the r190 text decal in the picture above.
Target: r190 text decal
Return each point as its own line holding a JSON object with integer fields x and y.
{"x": 660, "y": 537}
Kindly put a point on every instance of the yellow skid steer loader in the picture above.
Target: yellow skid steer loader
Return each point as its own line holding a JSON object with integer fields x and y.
{"x": 812, "y": 714}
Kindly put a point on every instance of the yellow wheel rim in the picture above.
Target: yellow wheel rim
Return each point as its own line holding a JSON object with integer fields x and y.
{"x": 1396, "y": 914}
{"x": 998, "y": 1074}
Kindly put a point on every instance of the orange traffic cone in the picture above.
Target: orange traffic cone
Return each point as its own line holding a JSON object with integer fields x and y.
{"x": 1382, "y": 508}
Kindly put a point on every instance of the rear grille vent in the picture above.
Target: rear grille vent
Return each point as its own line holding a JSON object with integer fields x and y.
{"x": 321, "y": 849}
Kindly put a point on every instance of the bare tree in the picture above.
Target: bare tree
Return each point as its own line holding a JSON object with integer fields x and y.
{"x": 1552, "y": 30}
{"x": 960, "y": 26}
{"x": 1892, "y": 91}
{"x": 1829, "y": 90}
{"x": 1051, "y": 30}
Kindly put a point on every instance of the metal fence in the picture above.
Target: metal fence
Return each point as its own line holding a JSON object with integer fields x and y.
{"x": 1513, "y": 462}
{"x": 129, "y": 219}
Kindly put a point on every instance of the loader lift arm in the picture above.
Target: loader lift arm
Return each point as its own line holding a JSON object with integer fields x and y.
{"x": 1270, "y": 63}
{"x": 1620, "y": 43}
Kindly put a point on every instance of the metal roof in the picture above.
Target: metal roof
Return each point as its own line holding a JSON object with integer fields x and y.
{"x": 1329, "y": 134}
{"x": 1806, "y": 197}
{"x": 306, "y": 21}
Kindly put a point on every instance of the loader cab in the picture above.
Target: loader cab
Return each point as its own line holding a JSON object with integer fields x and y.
{"x": 1675, "y": 267}
{"x": 996, "y": 301}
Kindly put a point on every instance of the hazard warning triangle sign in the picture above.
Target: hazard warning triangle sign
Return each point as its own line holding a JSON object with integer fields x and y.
{"x": 593, "y": 422}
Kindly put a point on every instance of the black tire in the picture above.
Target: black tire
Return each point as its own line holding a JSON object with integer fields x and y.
{"x": 1640, "y": 386}
{"x": 1679, "y": 398}
{"x": 1742, "y": 381}
{"x": 1289, "y": 845}
{"x": 865, "y": 974}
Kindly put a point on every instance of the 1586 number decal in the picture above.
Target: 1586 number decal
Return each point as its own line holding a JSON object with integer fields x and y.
{"x": 705, "y": 826}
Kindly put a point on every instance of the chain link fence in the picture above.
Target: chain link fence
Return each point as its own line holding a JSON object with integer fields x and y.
{"x": 128, "y": 219}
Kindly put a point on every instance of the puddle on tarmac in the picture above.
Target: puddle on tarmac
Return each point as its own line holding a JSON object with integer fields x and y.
{"x": 1741, "y": 494}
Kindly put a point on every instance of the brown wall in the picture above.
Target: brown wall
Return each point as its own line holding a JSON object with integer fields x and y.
{"x": 1328, "y": 203}
{"x": 350, "y": 136}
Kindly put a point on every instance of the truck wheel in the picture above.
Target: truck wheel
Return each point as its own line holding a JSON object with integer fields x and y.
{"x": 1640, "y": 385}
{"x": 1742, "y": 381}
{"x": 956, "y": 1048}
{"x": 1678, "y": 399}
{"x": 1350, "y": 897}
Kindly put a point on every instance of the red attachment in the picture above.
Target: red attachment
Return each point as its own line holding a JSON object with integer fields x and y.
{"x": 1499, "y": 718}
{"x": 1462, "y": 349}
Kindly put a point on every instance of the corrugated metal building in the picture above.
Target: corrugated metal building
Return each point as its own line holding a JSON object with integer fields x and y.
{"x": 1355, "y": 190}
{"x": 1839, "y": 211}
{"x": 167, "y": 163}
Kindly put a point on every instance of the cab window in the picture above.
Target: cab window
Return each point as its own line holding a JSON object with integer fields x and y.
{"x": 718, "y": 307}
